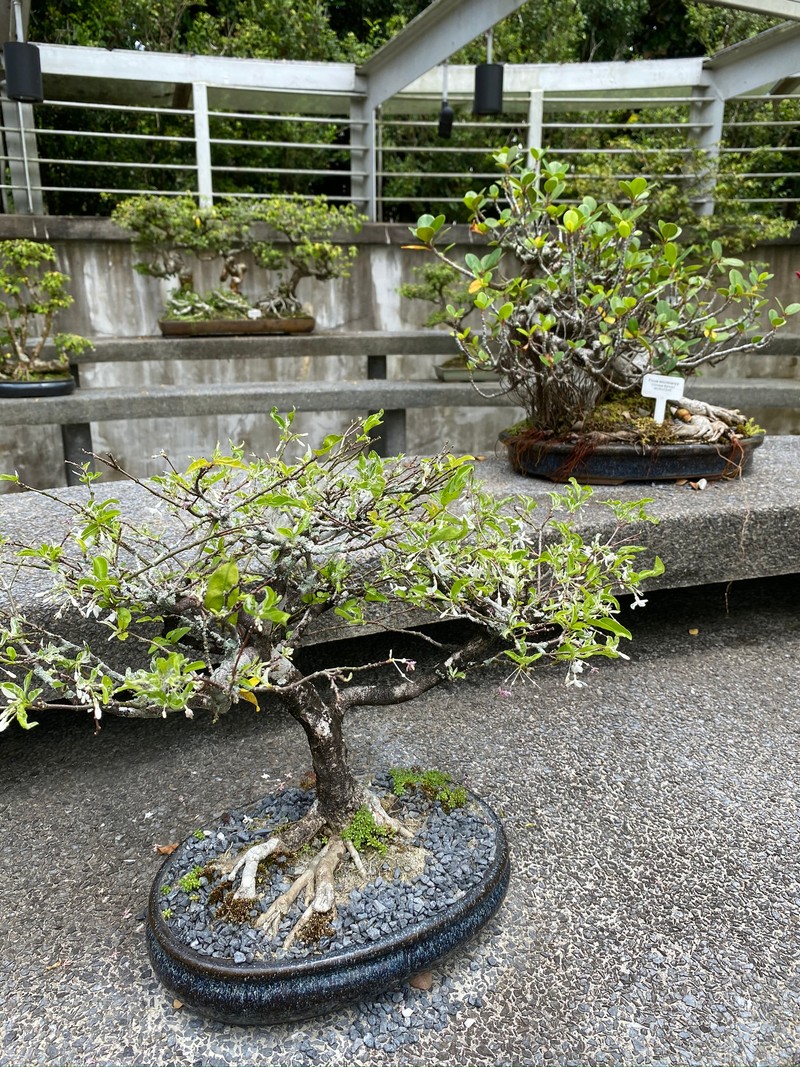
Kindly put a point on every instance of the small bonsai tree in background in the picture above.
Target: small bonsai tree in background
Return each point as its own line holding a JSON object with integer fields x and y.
{"x": 33, "y": 294}
{"x": 440, "y": 285}
{"x": 578, "y": 302}
{"x": 170, "y": 232}
{"x": 308, "y": 252}
{"x": 257, "y": 551}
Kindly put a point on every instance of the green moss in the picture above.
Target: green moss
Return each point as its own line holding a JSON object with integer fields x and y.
{"x": 452, "y": 797}
{"x": 518, "y": 428}
{"x": 437, "y": 785}
{"x": 191, "y": 880}
{"x": 750, "y": 428}
{"x": 623, "y": 413}
{"x": 364, "y": 832}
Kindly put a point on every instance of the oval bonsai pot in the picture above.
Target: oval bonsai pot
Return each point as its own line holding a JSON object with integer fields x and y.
{"x": 288, "y": 990}
{"x": 40, "y": 387}
{"x": 615, "y": 463}
{"x": 235, "y": 327}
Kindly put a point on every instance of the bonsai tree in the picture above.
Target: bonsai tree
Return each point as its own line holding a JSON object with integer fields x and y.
{"x": 578, "y": 302}
{"x": 33, "y": 293}
{"x": 256, "y": 551}
{"x": 307, "y": 227}
{"x": 170, "y": 232}
{"x": 437, "y": 284}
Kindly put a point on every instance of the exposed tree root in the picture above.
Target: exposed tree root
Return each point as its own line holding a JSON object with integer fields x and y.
{"x": 705, "y": 422}
{"x": 303, "y": 831}
{"x": 383, "y": 818}
{"x": 316, "y": 882}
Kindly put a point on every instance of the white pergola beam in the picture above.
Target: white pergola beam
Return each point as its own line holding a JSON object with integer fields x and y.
{"x": 657, "y": 75}
{"x": 127, "y": 64}
{"x": 760, "y": 61}
{"x": 777, "y": 9}
{"x": 429, "y": 39}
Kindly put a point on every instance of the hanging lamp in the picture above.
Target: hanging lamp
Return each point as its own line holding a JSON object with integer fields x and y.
{"x": 488, "y": 83}
{"x": 446, "y": 115}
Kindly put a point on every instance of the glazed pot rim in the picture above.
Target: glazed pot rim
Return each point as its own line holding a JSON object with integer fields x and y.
{"x": 619, "y": 448}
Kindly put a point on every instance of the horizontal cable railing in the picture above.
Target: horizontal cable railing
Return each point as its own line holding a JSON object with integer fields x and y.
{"x": 82, "y": 157}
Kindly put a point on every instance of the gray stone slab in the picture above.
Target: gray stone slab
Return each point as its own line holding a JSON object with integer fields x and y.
{"x": 319, "y": 343}
{"x": 237, "y": 398}
{"x": 732, "y": 530}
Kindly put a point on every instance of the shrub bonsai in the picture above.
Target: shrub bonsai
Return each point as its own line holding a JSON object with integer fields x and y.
{"x": 578, "y": 302}
{"x": 220, "y": 601}
{"x": 33, "y": 293}
{"x": 171, "y": 232}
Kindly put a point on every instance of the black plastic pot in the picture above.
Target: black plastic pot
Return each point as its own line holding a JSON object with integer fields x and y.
{"x": 612, "y": 464}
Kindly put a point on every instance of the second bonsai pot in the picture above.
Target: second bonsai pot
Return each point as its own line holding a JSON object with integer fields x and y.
{"x": 613, "y": 464}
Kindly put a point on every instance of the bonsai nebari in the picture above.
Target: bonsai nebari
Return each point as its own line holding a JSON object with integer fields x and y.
{"x": 257, "y": 550}
{"x": 33, "y": 294}
{"x": 171, "y": 232}
{"x": 579, "y": 302}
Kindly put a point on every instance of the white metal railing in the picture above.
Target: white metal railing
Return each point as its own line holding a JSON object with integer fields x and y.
{"x": 75, "y": 154}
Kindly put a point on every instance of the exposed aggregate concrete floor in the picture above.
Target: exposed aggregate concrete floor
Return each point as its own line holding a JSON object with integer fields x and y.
{"x": 654, "y": 910}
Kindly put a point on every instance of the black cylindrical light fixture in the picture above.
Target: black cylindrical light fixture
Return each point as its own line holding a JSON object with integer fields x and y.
{"x": 446, "y": 116}
{"x": 488, "y": 89}
{"x": 23, "y": 72}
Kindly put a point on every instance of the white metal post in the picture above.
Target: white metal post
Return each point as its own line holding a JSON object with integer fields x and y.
{"x": 535, "y": 118}
{"x": 363, "y": 184}
{"x": 202, "y": 138}
{"x": 705, "y": 132}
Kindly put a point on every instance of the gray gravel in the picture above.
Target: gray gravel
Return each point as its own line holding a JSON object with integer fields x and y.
{"x": 385, "y": 905}
{"x": 654, "y": 910}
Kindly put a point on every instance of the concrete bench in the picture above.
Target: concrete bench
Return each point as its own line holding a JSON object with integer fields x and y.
{"x": 75, "y": 413}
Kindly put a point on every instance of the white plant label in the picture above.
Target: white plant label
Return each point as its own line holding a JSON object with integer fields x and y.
{"x": 662, "y": 387}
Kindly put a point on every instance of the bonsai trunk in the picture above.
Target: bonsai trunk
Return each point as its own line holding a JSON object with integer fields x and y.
{"x": 339, "y": 794}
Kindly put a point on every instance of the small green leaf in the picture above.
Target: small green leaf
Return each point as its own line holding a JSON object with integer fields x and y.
{"x": 222, "y": 581}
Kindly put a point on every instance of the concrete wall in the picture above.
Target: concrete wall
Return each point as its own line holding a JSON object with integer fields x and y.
{"x": 111, "y": 299}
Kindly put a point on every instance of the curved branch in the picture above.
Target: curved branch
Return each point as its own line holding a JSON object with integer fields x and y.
{"x": 474, "y": 651}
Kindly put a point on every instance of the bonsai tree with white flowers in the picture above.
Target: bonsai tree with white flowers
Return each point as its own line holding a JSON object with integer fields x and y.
{"x": 251, "y": 553}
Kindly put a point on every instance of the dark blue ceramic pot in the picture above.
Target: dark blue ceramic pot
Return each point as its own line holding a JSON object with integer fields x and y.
{"x": 287, "y": 990}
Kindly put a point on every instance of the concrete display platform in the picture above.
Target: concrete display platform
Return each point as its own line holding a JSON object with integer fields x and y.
{"x": 739, "y": 528}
